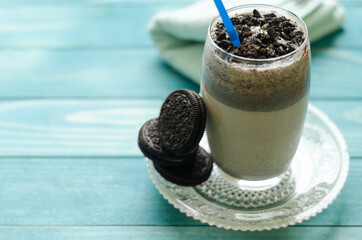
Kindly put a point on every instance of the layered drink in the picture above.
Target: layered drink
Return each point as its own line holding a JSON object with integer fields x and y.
{"x": 256, "y": 94}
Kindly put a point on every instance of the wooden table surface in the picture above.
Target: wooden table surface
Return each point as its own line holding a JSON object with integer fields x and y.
{"x": 75, "y": 88}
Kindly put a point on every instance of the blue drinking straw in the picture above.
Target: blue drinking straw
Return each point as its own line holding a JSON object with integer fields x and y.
{"x": 234, "y": 37}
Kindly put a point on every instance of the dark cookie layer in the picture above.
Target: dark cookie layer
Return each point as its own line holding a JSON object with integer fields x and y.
{"x": 182, "y": 121}
{"x": 195, "y": 172}
{"x": 261, "y": 36}
{"x": 151, "y": 146}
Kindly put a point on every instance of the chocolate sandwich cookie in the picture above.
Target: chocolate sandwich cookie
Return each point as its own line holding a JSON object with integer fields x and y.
{"x": 195, "y": 172}
{"x": 149, "y": 143}
{"x": 202, "y": 121}
{"x": 182, "y": 121}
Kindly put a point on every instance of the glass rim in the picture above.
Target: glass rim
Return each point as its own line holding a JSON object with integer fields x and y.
{"x": 304, "y": 26}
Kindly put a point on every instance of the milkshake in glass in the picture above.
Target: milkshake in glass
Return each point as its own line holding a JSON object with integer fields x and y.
{"x": 256, "y": 96}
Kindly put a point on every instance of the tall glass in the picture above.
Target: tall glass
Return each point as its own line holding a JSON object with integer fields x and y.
{"x": 256, "y": 107}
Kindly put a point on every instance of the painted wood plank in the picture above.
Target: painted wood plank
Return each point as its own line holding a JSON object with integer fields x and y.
{"x": 87, "y": 2}
{"x": 70, "y": 27}
{"x": 42, "y": 3}
{"x": 73, "y": 128}
{"x": 81, "y": 192}
{"x": 113, "y": 191}
{"x": 140, "y": 73}
{"x": 105, "y": 74}
{"x": 110, "y": 127}
{"x": 175, "y": 233}
{"x": 335, "y": 73}
{"x": 350, "y": 2}
{"x": 94, "y": 26}
{"x": 348, "y": 117}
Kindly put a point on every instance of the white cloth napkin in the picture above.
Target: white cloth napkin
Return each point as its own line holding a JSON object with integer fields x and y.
{"x": 180, "y": 34}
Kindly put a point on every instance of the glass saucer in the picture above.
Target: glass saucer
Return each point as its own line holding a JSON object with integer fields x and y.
{"x": 315, "y": 178}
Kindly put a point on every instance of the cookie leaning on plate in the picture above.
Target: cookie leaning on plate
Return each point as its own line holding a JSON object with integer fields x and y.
{"x": 193, "y": 173}
{"x": 182, "y": 121}
{"x": 172, "y": 140}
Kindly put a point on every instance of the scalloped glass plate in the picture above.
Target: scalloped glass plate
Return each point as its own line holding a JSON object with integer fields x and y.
{"x": 319, "y": 169}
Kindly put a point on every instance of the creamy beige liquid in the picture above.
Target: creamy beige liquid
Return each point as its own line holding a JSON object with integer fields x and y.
{"x": 253, "y": 145}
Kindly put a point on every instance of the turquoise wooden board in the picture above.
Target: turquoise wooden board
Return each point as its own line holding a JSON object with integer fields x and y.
{"x": 113, "y": 2}
{"x": 74, "y": 92}
{"x": 89, "y": 191}
{"x": 73, "y": 127}
{"x": 348, "y": 117}
{"x": 92, "y": 26}
{"x": 117, "y": 191}
{"x": 79, "y": 27}
{"x": 17, "y": 3}
{"x": 96, "y": 74}
{"x": 328, "y": 80}
{"x": 173, "y": 233}
{"x": 139, "y": 73}
{"x": 110, "y": 127}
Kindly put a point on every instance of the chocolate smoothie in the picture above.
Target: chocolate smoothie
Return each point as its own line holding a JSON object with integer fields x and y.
{"x": 256, "y": 94}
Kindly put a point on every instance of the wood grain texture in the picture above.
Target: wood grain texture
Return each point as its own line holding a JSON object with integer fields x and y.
{"x": 73, "y": 128}
{"x": 113, "y": 2}
{"x": 70, "y": 167}
{"x": 117, "y": 191}
{"x": 106, "y": 63}
{"x": 95, "y": 74}
{"x": 139, "y": 73}
{"x": 78, "y": 27}
{"x": 94, "y": 26}
{"x": 110, "y": 127}
{"x": 328, "y": 80}
{"x": 72, "y": 3}
{"x": 175, "y": 232}
{"x": 348, "y": 117}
